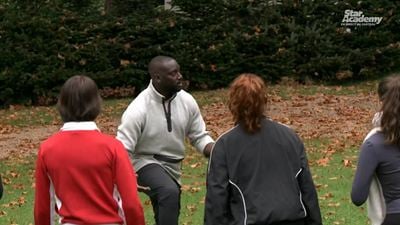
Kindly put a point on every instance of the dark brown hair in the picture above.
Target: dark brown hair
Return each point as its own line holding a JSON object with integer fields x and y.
{"x": 390, "y": 121}
{"x": 79, "y": 100}
{"x": 247, "y": 101}
{"x": 383, "y": 87}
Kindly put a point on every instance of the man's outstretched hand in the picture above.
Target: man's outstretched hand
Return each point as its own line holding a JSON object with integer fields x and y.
{"x": 207, "y": 150}
{"x": 143, "y": 188}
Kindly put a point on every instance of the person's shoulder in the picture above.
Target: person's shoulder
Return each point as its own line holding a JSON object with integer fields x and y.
{"x": 185, "y": 95}
{"x": 375, "y": 139}
{"x": 231, "y": 133}
{"x": 143, "y": 96}
{"x": 111, "y": 142}
{"x": 140, "y": 103}
{"x": 374, "y": 144}
{"x": 106, "y": 138}
{"x": 52, "y": 138}
{"x": 187, "y": 100}
{"x": 372, "y": 132}
{"x": 278, "y": 125}
{"x": 279, "y": 129}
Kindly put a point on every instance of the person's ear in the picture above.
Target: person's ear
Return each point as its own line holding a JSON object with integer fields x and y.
{"x": 154, "y": 76}
{"x": 157, "y": 77}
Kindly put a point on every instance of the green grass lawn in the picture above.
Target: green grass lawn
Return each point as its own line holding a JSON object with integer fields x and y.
{"x": 16, "y": 206}
{"x": 333, "y": 179}
{"x": 333, "y": 182}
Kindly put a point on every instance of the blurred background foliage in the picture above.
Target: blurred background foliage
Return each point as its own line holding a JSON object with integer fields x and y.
{"x": 43, "y": 42}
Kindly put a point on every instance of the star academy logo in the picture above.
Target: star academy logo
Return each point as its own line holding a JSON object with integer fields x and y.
{"x": 357, "y": 18}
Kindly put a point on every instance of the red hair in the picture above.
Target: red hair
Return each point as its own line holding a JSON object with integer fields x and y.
{"x": 247, "y": 101}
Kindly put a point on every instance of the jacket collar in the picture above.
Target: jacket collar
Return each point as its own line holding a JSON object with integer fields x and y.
{"x": 86, "y": 125}
{"x": 155, "y": 94}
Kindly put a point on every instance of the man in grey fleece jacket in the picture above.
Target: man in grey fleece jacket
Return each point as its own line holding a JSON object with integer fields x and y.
{"x": 153, "y": 130}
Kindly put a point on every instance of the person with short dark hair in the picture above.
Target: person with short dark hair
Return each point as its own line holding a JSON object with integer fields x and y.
{"x": 82, "y": 174}
{"x": 258, "y": 171}
{"x": 153, "y": 130}
{"x": 380, "y": 156}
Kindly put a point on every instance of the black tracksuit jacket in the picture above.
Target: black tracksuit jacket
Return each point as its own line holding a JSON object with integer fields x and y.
{"x": 260, "y": 178}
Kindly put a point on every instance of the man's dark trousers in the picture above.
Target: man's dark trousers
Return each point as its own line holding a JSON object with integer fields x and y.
{"x": 164, "y": 193}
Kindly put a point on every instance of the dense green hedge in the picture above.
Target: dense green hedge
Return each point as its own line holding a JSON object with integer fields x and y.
{"x": 44, "y": 42}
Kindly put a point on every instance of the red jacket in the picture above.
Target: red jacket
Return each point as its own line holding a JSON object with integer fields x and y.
{"x": 87, "y": 177}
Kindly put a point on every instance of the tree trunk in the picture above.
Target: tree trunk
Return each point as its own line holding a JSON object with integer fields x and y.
{"x": 107, "y": 6}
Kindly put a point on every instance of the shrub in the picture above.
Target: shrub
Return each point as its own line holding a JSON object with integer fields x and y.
{"x": 45, "y": 42}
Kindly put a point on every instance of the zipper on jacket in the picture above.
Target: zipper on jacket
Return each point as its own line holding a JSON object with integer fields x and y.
{"x": 167, "y": 112}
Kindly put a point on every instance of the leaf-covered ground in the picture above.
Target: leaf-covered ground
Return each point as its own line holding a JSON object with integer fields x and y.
{"x": 332, "y": 121}
{"x": 342, "y": 118}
